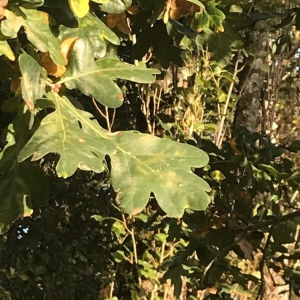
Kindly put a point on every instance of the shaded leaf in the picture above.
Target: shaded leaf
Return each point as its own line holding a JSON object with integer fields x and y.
{"x": 294, "y": 146}
{"x": 221, "y": 44}
{"x": 28, "y": 3}
{"x": 20, "y": 184}
{"x": 140, "y": 163}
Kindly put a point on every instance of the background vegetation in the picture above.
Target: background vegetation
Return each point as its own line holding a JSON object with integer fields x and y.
{"x": 149, "y": 149}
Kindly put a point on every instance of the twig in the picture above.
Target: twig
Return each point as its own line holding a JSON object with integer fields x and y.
{"x": 218, "y": 139}
{"x": 113, "y": 117}
{"x": 98, "y": 109}
{"x": 246, "y": 231}
{"x": 274, "y": 221}
{"x": 132, "y": 234}
{"x": 107, "y": 119}
{"x": 262, "y": 286}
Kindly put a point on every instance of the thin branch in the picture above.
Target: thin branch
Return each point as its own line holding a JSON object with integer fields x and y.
{"x": 98, "y": 109}
{"x": 218, "y": 139}
{"x": 107, "y": 119}
{"x": 262, "y": 286}
{"x": 246, "y": 231}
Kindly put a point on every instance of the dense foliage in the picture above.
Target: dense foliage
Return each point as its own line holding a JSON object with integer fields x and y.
{"x": 149, "y": 149}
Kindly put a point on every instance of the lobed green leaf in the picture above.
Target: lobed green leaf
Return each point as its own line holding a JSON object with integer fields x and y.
{"x": 140, "y": 163}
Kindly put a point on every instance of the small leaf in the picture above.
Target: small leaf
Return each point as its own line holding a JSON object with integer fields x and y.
{"x": 247, "y": 248}
{"x": 119, "y": 256}
{"x": 79, "y": 7}
{"x": 98, "y": 218}
{"x": 116, "y": 69}
{"x": 62, "y": 136}
{"x": 210, "y": 18}
{"x": 6, "y": 50}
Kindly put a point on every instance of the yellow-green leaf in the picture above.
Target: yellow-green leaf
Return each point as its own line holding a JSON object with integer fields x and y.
{"x": 79, "y": 7}
{"x": 140, "y": 163}
{"x": 6, "y": 50}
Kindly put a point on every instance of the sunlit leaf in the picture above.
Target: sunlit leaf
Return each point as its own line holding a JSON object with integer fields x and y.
{"x": 140, "y": 163}
{"x": 6, "y": 50}
{"x": 95, "y": 30}
{"x": 79, "y": 7}
{"x": 10, "y": 26}
{"x": 96, "y": 78}
{"x": 40, "y": 36}
{"x": 98, "y": 34}
{"x": 33, "y": 79}
{"x": 211, "y": 18}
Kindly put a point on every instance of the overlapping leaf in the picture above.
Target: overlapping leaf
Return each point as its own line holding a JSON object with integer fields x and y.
{"x": 141, "y": 163}
{"x": 95, "y": 78}
{"x": 40, "y": 36}
{"x": 95, "y": 30}
{"x": 211, "y": 18}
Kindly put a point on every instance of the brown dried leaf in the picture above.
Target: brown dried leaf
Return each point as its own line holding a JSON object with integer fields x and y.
{"x": 2, "y": 12}
{"x": 119, "y": 21}
{"x": 133, "y": 10}
{"x": 50, "y": 66}
{"x": 3, "y": 3}
{"x": 67, "y": 45}
{"x": 176, "y": 9}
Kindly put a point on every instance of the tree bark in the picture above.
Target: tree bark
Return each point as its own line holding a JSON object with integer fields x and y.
{"x": 248, "y": 109}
